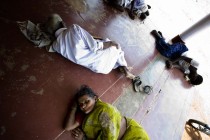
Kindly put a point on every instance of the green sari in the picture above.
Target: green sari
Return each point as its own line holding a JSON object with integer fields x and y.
{"x": 103, "y": 123}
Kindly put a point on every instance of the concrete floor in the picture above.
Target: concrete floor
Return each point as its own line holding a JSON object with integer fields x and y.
{"x": 37, "y": 86}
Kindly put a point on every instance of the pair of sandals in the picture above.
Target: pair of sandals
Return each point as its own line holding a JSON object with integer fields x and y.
{"x": 138, "y": 87}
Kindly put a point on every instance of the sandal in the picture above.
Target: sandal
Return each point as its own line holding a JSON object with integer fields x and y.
{"x": 136, "y": 84}
{"x": 147, "y": 89}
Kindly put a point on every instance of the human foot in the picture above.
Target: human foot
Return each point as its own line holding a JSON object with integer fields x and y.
{"x": 168, "y": 64}
{"x": 129, "y": 68}
{"x": 130, "y": 75}
{"x": 155, "y": 34}
{"x": 126, "y": 71}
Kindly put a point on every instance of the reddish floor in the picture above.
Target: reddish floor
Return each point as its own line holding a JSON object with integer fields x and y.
{"x": 37, "y": 86}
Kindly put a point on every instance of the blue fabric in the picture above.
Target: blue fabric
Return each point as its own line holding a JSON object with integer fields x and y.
{"x": 170, "y": 51}
{"x": 137, "y": 4}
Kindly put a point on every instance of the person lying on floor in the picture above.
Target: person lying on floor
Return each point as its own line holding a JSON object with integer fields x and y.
{"x": 176, "y": 54}
{"x": 136, "y": 7}
{"x": 100, "y": 120}
{"x": 78, "y": 46}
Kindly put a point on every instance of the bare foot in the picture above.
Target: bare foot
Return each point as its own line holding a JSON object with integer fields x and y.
{"x": 130, "y": 75}
{"x": 129, "y": 68}
{"x": 126, "y": 71}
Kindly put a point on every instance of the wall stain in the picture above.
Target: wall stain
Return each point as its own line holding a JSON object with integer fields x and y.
{"x": 60, "y": 78}
{"x": 24, "y": 86}
{"x": 32, "y": 78}
{"x": 2, "y": 50}
{"x": 2, "y": 73}
{"x": 2, "y": 130}
{"x": 38, "y": 92}
{"x": 10, "y": 63}
{"x": 13, "y": 114}
{"x": 24, "y": 67}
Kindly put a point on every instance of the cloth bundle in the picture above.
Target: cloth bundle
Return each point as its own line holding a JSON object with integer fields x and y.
{"x": 34, "y": 33}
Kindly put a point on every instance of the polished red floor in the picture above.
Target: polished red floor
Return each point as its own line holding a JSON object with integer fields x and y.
{"x": 36, "y": 87}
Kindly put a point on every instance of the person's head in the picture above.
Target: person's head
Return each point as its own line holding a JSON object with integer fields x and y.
{"x": 86, "y": 99}
{"x": 197, "y": 80}
{"x": 53, "y": 23}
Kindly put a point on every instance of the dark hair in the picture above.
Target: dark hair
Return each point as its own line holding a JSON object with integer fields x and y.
{"x": 197, "y": 80}
{"x": 85, "y": 90}
{"x": 53, "y": 23}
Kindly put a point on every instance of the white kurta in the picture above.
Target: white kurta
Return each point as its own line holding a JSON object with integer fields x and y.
{"x": 77, "y": 45}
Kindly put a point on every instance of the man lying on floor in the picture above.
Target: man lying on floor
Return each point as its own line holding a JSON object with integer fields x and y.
{"x": 77, "y": 45}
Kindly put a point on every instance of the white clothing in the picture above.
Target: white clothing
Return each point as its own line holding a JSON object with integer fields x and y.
{"x": 184, "y": 66}
{"x": 124, "y": 3}
{"x": 194, "y": 63}
{"x": 77, "y": 45}
{"x": 138, "y": 4}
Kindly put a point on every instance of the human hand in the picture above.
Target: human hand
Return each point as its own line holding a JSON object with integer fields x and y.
{"x": 78, "y": 134}
{"x": 74, "y": 105}
{"x": 110, "y": 44}
{"x": 114, "y": 44}
{"x": 186, "y": 78}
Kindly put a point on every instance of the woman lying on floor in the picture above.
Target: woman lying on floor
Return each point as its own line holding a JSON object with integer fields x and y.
{"x": 77, "y": 45}
{"x": 177, "y": 58}
{"x": 101, "y": 120}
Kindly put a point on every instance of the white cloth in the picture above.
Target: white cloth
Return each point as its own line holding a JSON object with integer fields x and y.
{"x": 77, "y": 45}
{"x": 124, "y": 3}
{"x": 34, "y": 33}
{"x": 184, "y": 66}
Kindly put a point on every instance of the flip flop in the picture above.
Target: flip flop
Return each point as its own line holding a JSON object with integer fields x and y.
{"x": 147, "y": 89}
{"x": 136, "y": 84}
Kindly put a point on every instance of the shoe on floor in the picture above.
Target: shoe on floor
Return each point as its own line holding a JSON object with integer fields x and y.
{"x": 136, "y": 84}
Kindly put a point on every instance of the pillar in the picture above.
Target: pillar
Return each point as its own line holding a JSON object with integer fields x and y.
{"x": 201, "y": 24}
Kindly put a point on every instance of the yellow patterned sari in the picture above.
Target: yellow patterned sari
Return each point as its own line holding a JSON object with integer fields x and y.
{"x": 103, "y": 123}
